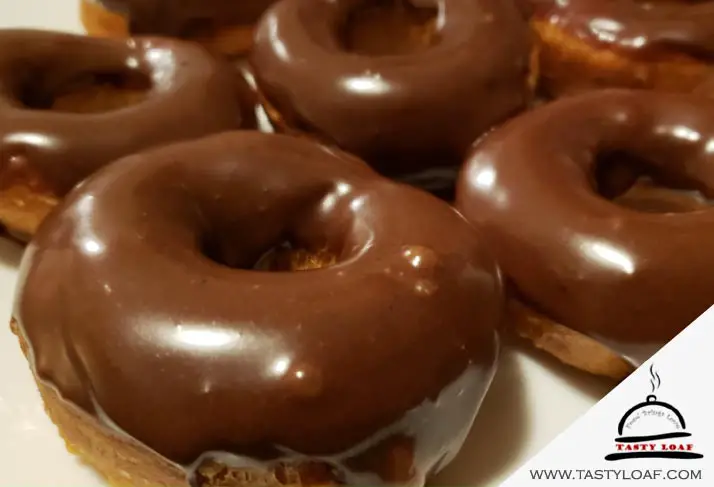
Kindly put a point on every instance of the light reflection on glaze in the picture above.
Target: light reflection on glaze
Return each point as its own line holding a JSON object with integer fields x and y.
{"x": 202, "y": 337}
{"x": 367, "y": 84}
{"x": 405, "y": 114}
{"x": 607, "y": 255}
{"x": 31, "y": 139}
{"x": 633, "y": 25}
{"x": 623, "y": 276}
{"x": 331, "y": 364}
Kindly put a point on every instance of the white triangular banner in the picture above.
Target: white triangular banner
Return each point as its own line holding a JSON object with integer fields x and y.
{"x": 655, "y": 428}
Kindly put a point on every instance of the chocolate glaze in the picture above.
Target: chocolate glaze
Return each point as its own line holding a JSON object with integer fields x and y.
{"x": 411, "y": 115}
{"x": 397, "y": 340}
{"x": 625, "y": 276}
{"x": 182, "y": 17}
{"x": 191, "y": 94}
{"x": 636, "y": 26}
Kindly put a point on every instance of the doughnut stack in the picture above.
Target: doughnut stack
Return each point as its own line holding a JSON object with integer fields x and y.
{"x": 318, "y": 298}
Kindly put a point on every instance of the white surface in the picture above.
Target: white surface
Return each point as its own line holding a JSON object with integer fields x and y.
{"x": 532, "y": 400}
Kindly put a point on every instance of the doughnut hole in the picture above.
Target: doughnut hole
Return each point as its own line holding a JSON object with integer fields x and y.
{"x": 633, "y": 183}
{"x": 308, "y": 230}
{"x": 394, "y": 27}
{"x": 287, "y": 258}
{"x": 87, "y": 92}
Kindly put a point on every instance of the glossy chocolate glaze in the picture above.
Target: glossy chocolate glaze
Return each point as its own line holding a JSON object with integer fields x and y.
{"x": 410, "y": 115}
{"x": 394, "y": 342}
{"x": 182, "y": 17}
{"x": 636, "y": 26}
{"x": 625, "y": 276}
{"x": 191, "y": 94}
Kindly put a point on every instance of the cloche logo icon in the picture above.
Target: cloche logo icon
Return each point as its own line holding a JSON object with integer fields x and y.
{"x": 653, "y": 429}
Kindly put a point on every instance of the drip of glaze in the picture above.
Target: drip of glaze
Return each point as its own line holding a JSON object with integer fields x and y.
{"x": 453, "y": 401}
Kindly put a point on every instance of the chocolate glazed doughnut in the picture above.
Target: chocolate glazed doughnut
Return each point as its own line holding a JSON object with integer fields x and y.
{"x": 225, "y": 26}
{"x": 665, "y": 45}
{"x": 70, "y": 104}
{"x": 157, "y": 354}
{"x": 410, "y": 107}
{"x": 600, "y": 283}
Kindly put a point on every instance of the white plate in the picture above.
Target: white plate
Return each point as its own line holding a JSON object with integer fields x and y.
{"x": 532, "y": 400}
